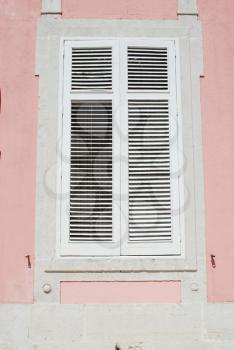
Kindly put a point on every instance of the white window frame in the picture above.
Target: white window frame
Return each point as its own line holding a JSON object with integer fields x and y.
{"x": 50, "y": 267}
{"x": 120, "y": 245}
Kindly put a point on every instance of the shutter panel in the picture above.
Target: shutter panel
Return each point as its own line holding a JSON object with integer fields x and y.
{"x": 149, "y": 171}
{"x": 152, "y": 152}
{"x": 147, "y": 68}
{"x": 92, "y": 68}
{"x": 117, "y": 129}
{"x": 89, "y": 212}
{"x": 91, "y": 171}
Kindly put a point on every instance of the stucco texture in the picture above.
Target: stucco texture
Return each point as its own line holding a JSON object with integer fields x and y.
{"x": 19, "y": 95}
{"x": 120, "y": 292}
{"x": 17, "y": 144}
{"x": 218, "y": 143}
{"x": 144, "y": 9}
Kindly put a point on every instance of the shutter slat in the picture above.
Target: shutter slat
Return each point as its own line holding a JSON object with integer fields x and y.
{"x": 149, "y": 172}
{"x": 91, "y": 172}
{"x": 91, "y": 69}
{"x": 147, "y": 68}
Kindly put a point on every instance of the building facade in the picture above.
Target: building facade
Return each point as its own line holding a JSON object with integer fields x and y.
{"x": 116, "y": 139}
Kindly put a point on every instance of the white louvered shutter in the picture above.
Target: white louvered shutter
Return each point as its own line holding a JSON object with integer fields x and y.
{"x": 147, "y": 68}
{"x": 152, "y": 185}
{"x": 91, "y": 68}
{"x": 120, "y": 183}
{"x": 91, "y": 171}
{"x": 149, "y": 171}
{"x": 90, "y": 215}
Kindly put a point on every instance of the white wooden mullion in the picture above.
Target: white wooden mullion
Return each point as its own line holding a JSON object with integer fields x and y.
{"x": 91, "y": 43}
{"x": 116, "y": 178}
{"x": 124, "y": 144}
{"x": 91, "y": 96}
{"x": 65, "y": 154}
{"x": 175, "y": 136}
{"x": 148, "y": 95}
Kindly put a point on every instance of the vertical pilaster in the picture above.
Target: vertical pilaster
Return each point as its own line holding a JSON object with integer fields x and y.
{"x": 187, "y": 8}
{"x": 51, "y": 7}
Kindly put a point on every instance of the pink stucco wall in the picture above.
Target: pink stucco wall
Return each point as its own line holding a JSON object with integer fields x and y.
{"x": 120, "y": 292}
{"x": 145, "y": 9}
{"x": 17, "y": 144}
{"x": 18, "y": 133}
{"x": 217, "y": 90}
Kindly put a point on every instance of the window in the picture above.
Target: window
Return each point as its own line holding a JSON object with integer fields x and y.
{"x": 121, "y": 136}
{"x": 58, "y": 258}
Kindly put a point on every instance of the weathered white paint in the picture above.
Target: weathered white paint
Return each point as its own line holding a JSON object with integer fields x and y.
{"x": 119, "y": 99}
{"x": 50, "y": 269}
{"x": 187, "y": 7}
{"x": 51, "y": 7}
{"x": 133, "y": 327}
{"x": 193, "y": 325}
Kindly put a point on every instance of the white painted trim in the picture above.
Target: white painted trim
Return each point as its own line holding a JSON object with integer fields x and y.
{"x": 120, "y": 96}
{"x": 193, "y": 325}
{"x": 180, "y": 147}
{"x": 59, "y": 147}
{"x": 187, "y": 7}
{"x": 50, "y": 7}
{"x": 49, "y": 34}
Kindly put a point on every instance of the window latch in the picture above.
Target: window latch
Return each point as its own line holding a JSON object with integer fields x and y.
{"x": 29, "y": 261}
{"x": 213, "y": 263}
